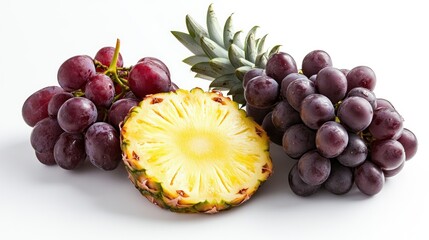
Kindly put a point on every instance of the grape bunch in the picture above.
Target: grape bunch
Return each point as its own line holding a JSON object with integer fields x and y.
{"x": 79, "y": 119}
{"x": 330, "y": 121}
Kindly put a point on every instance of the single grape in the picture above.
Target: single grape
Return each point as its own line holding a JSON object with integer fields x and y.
{"x": 273, "y": 133}
{"x": 249, "y": 75}
{"x": 100, "y": 90}
{"x": 313, "y": 168}
{"x": 332, "y": 83}
{"x": 102, "y": 146}
{"x": 383, "y": 103}
{"x": 315, "y": 61}
{"x": 355, "y": 113}
{"x": 393, "y": 172}
{"x": 287, "y": 80}
{"x": 148, "y": 78}
{"x": 279, "y": 65}
{"x": 285, "y": 116}
{"x": 57, "y": 101}
{"x": 340, "y": 180}
{"x": 361, "y": 76}
{"x": 76, "y": 114}
{"x": 387, "y": 154}
{"x": 35, "y": 107}
{"x": 75, "y": 72}
{"x": 69, "y": 151}
{"x": 297, "y": 140}
{"x": 44, "y": 135}
{"x": 262, "y": 92}
{"x": 331, "y": 139}
{"x": 298, "y": 186}
{"x": 355, "y": 152}
{"x": 298, "y": 90}
{"x": 409, "y": 142}
{"x": 369, "y": 178}
{"x": 46, "y": 158}
{"x": 313, "y": 77}
{"x": 258, "y": 114}
{"x": 157, "y": 62}
{"x": 365, "y": 94}
{"x": 119, "y": 110}
{"x": 316, "y": 109}
{"x": 105, "y": 57}
{"x": 386, "y": 124}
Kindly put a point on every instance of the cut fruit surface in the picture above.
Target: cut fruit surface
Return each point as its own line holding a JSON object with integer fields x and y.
{"x": 194, "y": 151}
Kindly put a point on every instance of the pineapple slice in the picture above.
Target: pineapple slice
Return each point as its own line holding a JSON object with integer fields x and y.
{"x": 194, "y": 151}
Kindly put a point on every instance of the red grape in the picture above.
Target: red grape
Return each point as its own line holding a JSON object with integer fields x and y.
{"x": 147, "y": 78}
{"x": 75, "y": 72}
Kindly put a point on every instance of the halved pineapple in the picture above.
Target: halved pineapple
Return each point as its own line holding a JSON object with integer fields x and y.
{"x": 194, "y": 151}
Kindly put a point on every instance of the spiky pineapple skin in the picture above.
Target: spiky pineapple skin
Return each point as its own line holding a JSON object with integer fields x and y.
{"x": 177, "y": 201}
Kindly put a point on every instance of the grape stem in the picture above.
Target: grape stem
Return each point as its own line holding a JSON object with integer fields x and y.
{"x": 112, "y": 71}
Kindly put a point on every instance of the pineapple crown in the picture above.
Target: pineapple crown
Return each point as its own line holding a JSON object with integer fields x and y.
{"x": 221, "y": 56}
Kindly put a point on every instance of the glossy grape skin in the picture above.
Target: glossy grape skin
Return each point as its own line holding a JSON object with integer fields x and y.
{"x": 298, "y": 186}
{"x": 249, "y": 75}
{"x": 316, "y": 109}
{"x": 76, "y": 114}
{"x": 44, "y": 135}
{"x": 332, "y": 83}
{"x": 409, "y": 142}
{"x": 279, "y": 65}
{"x": 148, "y": 78}
{"x": 102, "y": 146}
{"x": 105, "y": 56}
{"x": 273, "y": 133}
{"x": 313, "y": 168}
{"x": 285, "y": 116}
{"x": 331, "y": 139}
{"x": 157, "y": 62}
{"x": 355, "y": 153}
{"x": 369, "y": 178}
{"x": 100, "y": 90}
{"x": 69, "y": 150}
{"x": 383, "y": 103}
{"x": 35, "y": 107}
{"x": 340, "y": 179}
{"x": 355, "y": 113}
{"x": 287, "y": 80}
{"x": 297, "y": 140}
{"x": 258, "y": 114}
{"x": 46, "y": 158}
{"x": 57, "y": 101}
{"x": 386, "y": 124}
{"x": 361, "y": 76}
{"x": 262, "y": 92}
{"x": 173, "y": 87}
{"x": 119, "y": 110}
{"x": 313, "y": 77}
{"x": 298, "y": 90}
{"x": 365, "y": 94}
{"x": 75, "y": 72}
{"x": 315, "y": 61}
{"x": 387, "y": 154}
{"x": 394, "y": 172}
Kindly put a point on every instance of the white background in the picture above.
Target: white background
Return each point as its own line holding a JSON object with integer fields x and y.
{"x": 43, "y": 202}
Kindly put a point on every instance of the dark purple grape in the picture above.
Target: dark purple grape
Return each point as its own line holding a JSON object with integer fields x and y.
{"x": 249, "y": 75}
{"x": 361, "y": 76}
{"x": 340, "y": 180}
{"x": 315, "y": 61}
{"x": 387, "y": 154}
{"x": 409, "y": 142}
{"x": 383, "y": 103}
{"x": 69, "y": 151}
{"x": 46, "y": 158}
{"x": 298, "y": 186}
{"x": 148, "y": 78}
{"x": 313, "y": 78}
{"x": 355, "y": 113}
{"x": 386, "y": 123}
{"x": 287, "y": 80}
{"x": 262, "y": 92}
{"x": 279, "y": 65}
{"x": 297, "y": 140}
{"x": 369, "y": 178}
{"x": 131, "y": 95}
{"x": 365, "y": 94}
{"x": 57, "y": 101}
{"x": 157, "y": 62}
{"x": 75, "y": 72}
{"x": 102, "y": 146}
{"x": 76, "y": 114}
{"x": 298, "y": 90}
{"x": 273, "y": 133}
{"x": 44, "y": 135}
{"x": 105, "y": 57}
{"x": 313, "y": 168}
{"x": 35, "y": 107}
{"x": 331, "y": 139}
{"x": 355, "y": 153}
{"x": 100, "y": 90}
{"x": 119, "y": 110}
{"x": 332, "y": 83}
{"x": 258, "y": 114}
{"x": 316, "y": 109}
{"x": 285, "y": 116}
{"x": 393, "y": 172}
